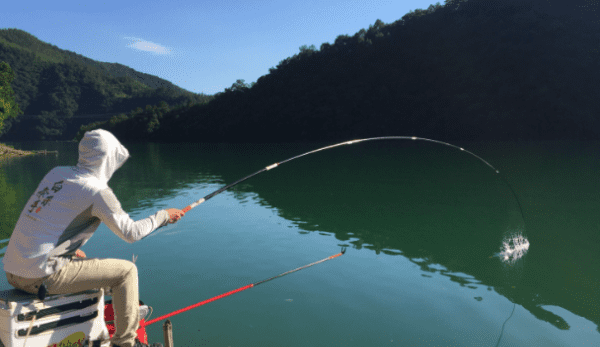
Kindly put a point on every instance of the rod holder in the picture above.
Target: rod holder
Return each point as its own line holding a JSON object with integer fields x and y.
{"x": 168, "y": 333}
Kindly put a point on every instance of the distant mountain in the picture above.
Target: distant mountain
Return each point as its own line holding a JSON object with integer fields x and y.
{"x": 54, "y": 85}
{"x": 466, "y": 70}
{"x": 46, "y": 52}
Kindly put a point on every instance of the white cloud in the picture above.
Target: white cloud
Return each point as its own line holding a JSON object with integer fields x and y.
{"x": 144, "y": 45}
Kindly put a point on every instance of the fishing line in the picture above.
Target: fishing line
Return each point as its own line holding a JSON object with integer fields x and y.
{"x": 504, "y": 324}
{"x": 272, "y": 166}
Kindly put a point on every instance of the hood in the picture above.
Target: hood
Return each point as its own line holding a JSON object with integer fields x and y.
{"x": 101, "y": 153}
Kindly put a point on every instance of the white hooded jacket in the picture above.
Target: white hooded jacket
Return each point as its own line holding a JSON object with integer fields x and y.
{"x": 69, "y": 205}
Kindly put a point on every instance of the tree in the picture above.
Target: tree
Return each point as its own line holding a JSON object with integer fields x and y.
{"x": 360, "y": 35}
{"x": 307, "y": 49}
{"x": 378, "y": 25}
{"x": 8, "y": 106}
{"x": 239, "y": 85}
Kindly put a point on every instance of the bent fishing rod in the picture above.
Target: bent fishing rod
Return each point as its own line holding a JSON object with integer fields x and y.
{"x": 248, "y": 286}
{"x": 272, "y": 166}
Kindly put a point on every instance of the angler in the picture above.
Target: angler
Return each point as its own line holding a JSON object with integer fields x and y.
{"x": 43, "y": 255}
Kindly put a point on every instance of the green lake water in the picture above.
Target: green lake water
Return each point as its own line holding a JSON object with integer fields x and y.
{"x": 423, "y": 224}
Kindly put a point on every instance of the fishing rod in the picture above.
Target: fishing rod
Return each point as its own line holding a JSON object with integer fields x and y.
{"x": 272, "y": 166}
{"x": 251, "y": 285}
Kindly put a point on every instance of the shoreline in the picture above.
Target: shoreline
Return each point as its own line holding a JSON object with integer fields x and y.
{"x": 7, "y": 152}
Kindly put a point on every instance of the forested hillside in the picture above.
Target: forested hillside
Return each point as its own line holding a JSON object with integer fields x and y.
{"x": 466, "y": 70}
{"x": 56, "y": 84}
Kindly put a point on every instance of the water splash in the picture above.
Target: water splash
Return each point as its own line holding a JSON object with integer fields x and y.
{"x": 513, "y": 248}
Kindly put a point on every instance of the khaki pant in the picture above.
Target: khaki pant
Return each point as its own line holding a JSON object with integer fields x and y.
{"x": 84, "y": 274}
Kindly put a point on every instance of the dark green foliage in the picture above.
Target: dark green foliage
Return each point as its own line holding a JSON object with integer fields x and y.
{"x": 138, "y": 124}
{"x": 8, "y": 106}
{"x": 55, "y": 86}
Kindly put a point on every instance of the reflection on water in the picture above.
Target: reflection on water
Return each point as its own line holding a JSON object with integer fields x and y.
{"x": 443, "y": 212}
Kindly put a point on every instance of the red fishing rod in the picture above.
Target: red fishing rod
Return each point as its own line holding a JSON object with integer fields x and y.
{"x": 238, "y": 290}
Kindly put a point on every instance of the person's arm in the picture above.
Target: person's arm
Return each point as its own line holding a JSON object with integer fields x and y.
{"x": 108, "y": 209}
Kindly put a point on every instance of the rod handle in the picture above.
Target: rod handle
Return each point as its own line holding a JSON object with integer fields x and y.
{"x": 191, "y": 206}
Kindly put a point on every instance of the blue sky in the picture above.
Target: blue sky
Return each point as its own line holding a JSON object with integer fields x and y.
{"x": 201, "y": 46}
